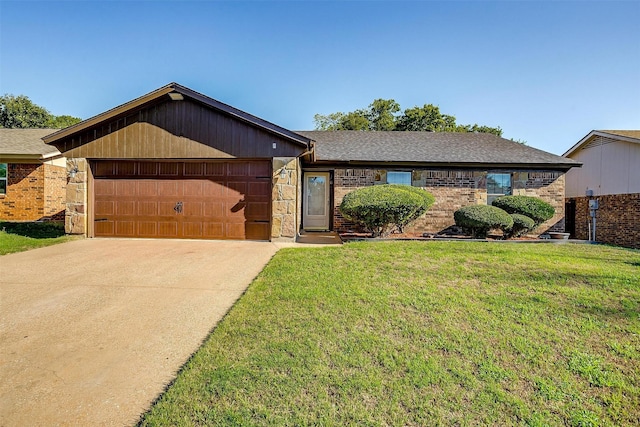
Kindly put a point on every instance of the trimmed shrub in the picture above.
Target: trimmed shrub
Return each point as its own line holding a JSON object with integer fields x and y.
{"x": 479, "y": 219}
{"x": 381, "y": 207}
{"x": 521, "y": 225}
{"x": 33, "y": 229}
{"x": 538, "y": 210}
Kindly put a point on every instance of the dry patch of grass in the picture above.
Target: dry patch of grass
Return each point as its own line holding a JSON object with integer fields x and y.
{"x": 414, "y": 333}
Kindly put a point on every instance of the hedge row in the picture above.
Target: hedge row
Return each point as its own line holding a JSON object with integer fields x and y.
{"x": 514, "y": 215}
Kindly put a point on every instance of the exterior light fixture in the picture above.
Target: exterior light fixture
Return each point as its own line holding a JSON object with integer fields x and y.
{"x": 283, "y": 173}
{"x": 274, "y": 145}
{"x": 175, "y": 96}
{"x": 72, "y": 172}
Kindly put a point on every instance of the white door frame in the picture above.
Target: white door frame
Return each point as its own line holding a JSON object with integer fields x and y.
{"x": 320, "y": 219}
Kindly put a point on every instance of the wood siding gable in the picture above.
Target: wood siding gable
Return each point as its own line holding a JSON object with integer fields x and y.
{"x": 177, "y": 122}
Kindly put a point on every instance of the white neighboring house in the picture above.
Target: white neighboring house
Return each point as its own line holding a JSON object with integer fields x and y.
{"x": 610, "y": 175}
{"x": 611, "y": 164}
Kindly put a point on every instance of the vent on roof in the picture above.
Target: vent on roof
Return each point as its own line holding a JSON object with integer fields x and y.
{"x": 597, "y": 141}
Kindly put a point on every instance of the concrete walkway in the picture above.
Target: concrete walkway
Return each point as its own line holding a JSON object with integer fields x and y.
{"x": 91, "y": 331}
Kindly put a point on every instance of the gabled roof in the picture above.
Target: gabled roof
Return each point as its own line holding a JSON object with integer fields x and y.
{"x": 26, "y": 144}
{"x": 621, "y": 135}
{"x": 433, "y": 148}
{"x": 167, "y": 91}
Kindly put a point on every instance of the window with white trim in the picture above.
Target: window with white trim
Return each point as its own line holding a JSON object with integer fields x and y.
{"x": 3, "y": 178}
{"x": 400, "y": 178}
{"x": 498, "y": 184}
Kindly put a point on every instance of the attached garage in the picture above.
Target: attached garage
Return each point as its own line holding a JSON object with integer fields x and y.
{"x": 177, "y": 164}
{"x": 194, "y": 200}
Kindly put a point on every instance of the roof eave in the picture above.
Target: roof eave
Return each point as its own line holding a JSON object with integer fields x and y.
{"x": 593, "y": 133}
{"x": 476, "y": 165}
{"x": 23, "y": 156}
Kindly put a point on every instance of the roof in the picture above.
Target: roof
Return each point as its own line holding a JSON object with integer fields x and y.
{"x": 434, "y": 148}
{"x": 170, "y": 90}
{"x": 621, "y": 135}
{"x": 26, "y": 143}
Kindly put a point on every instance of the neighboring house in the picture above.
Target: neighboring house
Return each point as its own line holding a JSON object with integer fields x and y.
{"x": 610, "y": 175}
{"x": 33, "y": 176}
{"x": 176, "y": 163}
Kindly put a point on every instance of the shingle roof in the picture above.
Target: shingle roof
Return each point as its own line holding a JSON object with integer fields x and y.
{"x": 429, "y": 148}
{"x": 26, "y": 142}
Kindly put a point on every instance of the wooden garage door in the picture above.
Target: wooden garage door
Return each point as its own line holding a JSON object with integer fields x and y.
{"x": 193, "y": 200}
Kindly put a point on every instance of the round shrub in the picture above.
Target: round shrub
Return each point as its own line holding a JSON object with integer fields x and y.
{"x": 538, "y": 210}
{"x": 427, "y": 201}
{"x": 521, "y": 225}
{"x": 381, "y": 207}
{"x": 479, "y": 219}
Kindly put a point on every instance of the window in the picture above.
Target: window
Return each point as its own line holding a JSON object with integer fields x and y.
{"x": 3, "y": 178}
{"x": 498, "y": 184}
{"x": 401, "y": 178}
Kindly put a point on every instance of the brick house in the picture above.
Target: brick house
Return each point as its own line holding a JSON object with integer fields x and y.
{"x": 175, "y": 163}
{"x": 33, "y": 176}
{"x": 459, "y": 169}
{"x": 611, "y": 176}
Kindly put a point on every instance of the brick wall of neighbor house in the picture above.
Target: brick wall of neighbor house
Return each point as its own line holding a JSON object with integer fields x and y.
{"x": 55, "y": 191}
{"x": 24, "y": 200}
{"x": 617, "y": 219}
{"x": 452, "y": 190}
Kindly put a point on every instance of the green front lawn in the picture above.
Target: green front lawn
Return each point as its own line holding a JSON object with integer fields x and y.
{"x": 415, "y": 333}
{"x": 22, "y": 236}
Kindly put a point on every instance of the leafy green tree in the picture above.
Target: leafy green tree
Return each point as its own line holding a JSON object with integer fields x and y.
{"x": 479, "y": 129}
{"x": 21, "y": 113}
{"x": 426, "y": 118}
{"x": 382, "y": 115}
{"x": 61, "y": 122}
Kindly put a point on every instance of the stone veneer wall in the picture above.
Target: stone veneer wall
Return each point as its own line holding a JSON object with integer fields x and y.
{"x": 284, "y": 208}
{"x": 617, "y": 219}
{"x": 75, "y": 220}
{"x": 452, "y": 190}
{"x": 35, "y": 191}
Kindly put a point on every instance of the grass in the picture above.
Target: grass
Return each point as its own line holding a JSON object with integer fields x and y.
{"x": 22, "y": 236}
{"x": 414, "y": 333}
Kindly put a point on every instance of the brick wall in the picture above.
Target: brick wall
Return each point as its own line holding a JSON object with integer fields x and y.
{"x": 24, "y": 200}
{"x": 452, "y": 190}
{"x": 34, "y": 191}
{"x": 345, "y": 181}
{"x": 55, "y": 191}
{"x": 617, "y": 219}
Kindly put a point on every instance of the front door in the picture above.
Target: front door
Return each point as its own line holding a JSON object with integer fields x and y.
{"x": 316, "y": 201}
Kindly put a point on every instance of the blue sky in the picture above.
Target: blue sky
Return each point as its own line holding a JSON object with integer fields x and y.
{"x": 546, "y": 72}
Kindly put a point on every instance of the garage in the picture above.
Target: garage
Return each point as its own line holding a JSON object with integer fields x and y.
{"x": 175, "y": 163}
{"x": 193, "y": 200}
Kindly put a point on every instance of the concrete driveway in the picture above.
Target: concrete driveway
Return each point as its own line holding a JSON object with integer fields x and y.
{"x": 91, "y": 331}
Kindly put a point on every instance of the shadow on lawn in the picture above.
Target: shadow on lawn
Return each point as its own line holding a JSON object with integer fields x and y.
{"x": 35, "y": 230}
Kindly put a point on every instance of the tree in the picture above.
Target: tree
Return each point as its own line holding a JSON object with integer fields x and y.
{"x": 20, "y": 112}
{"x": 426, "y": 118}
{"x": 61, "y": 122}
{"x": 382, "y": 115}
